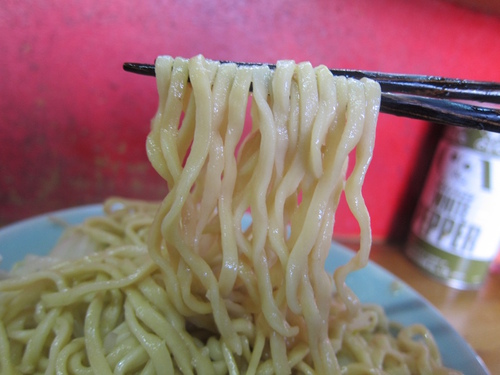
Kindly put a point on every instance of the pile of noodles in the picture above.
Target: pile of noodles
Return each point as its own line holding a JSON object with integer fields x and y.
{"x": 181, "y": 286}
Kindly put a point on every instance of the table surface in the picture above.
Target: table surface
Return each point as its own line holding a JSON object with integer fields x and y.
{"x": 474, "y": 314}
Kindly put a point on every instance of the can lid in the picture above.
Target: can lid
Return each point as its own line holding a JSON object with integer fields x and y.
{"x": 479, "y": 140}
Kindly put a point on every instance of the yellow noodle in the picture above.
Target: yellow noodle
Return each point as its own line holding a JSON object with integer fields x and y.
{"x": 179, "y": 286}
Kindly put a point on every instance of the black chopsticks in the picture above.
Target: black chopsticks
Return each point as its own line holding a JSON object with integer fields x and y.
{"x": 439, "y": 100}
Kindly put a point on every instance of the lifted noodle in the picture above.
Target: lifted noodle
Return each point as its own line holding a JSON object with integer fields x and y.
{"x": 180, "y": 286}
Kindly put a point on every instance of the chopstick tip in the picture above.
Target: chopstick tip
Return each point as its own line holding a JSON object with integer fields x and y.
{"x": 139, "y": 68}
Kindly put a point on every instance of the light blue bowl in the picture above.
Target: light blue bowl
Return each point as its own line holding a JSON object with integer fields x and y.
{"x": 373, "y": 284}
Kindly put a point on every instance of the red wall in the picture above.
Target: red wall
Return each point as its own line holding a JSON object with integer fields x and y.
{"x": 73, "y": 124}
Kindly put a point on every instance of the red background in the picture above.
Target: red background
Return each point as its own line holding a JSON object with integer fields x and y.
{"x": 73, "y": 124}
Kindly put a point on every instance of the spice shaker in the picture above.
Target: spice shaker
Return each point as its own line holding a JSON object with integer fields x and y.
{"x": 455, "y": 231}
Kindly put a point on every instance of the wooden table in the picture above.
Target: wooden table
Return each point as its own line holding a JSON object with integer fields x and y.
{"x": 474, "y": 314}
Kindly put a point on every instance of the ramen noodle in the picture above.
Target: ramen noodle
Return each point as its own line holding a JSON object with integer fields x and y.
{"x": 227, "y": 274}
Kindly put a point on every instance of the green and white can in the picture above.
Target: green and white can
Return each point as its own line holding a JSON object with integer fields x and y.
{"x": 455, "y": 232}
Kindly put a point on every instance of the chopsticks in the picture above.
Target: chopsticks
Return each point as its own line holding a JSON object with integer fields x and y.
{"x": 445, "y": 101}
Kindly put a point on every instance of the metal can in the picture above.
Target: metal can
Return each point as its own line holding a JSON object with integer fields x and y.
{"x": 455, "y": 231}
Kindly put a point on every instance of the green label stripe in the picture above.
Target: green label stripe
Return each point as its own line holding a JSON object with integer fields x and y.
{"x": 446, "y": 265}
{"x": 486, "y": 174}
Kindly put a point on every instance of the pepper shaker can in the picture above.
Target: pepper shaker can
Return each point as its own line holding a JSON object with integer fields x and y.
{"x": 455, "y": 231}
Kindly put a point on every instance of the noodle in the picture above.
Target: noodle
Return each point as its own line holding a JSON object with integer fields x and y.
{"x": 182, "y": 286}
